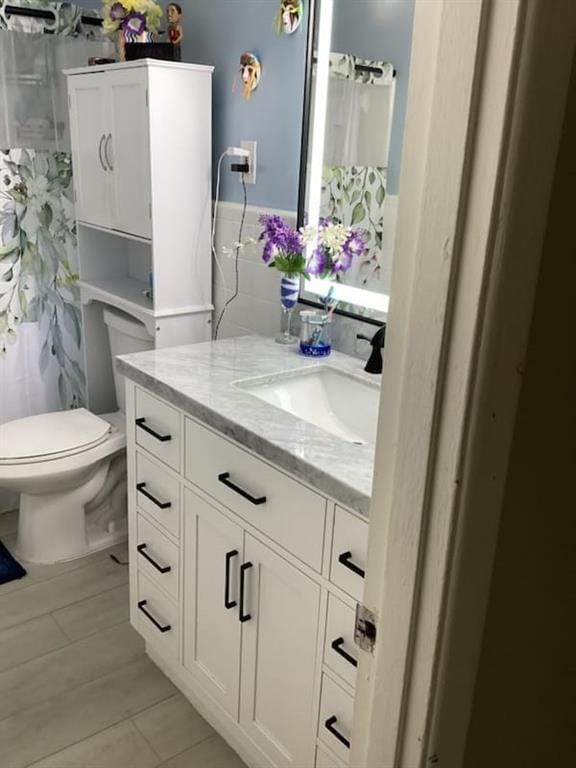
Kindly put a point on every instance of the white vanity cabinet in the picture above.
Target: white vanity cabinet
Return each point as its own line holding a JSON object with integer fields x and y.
{"x": 240, "y": 608}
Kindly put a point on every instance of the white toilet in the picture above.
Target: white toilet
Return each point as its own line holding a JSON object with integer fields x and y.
{"x": 70, "y": 468}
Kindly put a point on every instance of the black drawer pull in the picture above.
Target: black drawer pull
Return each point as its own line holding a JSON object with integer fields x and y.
{"x": 225, "y": 479}
{"x": 141, "y": 422}
{"x": 243, "y": 616}
{"x": 337, "y": 646}
{"x": 346, "y": 560}
{"x": 329, "y": 725}
{"x": 161, "y": 569}
{"x": 141, "y": 488}
{"x": 227, "y": 602}
{"x": 161, "y": 627}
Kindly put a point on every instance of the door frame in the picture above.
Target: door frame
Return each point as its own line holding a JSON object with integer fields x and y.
{"x": 488, "y": 86}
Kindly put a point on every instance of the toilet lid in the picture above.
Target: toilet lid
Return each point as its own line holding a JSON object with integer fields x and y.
{"x": 48, "y": 434}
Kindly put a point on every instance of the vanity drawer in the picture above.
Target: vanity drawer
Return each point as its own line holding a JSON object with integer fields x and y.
{"x": 158, "y": 494}
{"x": 325, "y": 760}
{"x": 340, "y": 651}
{"x": 156, "y": 617}
{"x": 157, "y": 427}
{"x": 283, "y": 509}
{"x": 157, "y": 557}
{"x": 349, "y": 550}
{"x": 336, "y": 716}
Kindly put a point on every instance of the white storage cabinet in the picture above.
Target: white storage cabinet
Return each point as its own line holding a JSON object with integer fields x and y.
{"x": 141, "y": 152}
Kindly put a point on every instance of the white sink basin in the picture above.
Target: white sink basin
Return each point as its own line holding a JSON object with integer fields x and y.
{"x": 337, "y": 402}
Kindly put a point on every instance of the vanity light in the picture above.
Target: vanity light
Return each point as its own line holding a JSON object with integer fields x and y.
{"x": 321, "y": 109}
{"x": 348, "y": 294}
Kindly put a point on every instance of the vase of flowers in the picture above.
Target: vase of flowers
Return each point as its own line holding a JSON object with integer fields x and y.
{"x": 131, "y": 21}
{"x": 325, "y": 251}
{"x": 284, "y": 250}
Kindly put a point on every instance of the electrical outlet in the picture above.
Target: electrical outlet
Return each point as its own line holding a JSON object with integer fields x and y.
{"x": 250, "y": 177}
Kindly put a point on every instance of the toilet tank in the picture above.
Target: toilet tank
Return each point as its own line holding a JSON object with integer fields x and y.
{"x": 126, "y": 335}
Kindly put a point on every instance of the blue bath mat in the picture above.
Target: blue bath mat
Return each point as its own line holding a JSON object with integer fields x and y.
{"x": 10, "y": 569}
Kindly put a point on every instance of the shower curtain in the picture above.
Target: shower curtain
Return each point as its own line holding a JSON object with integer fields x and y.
{"x": 358, "y": 120}
{"x": 40, "y": 321}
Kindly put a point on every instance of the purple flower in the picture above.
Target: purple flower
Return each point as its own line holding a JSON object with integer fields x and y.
{"x": 341, "y": 262}
{"x": 317, "y": 262}
{"x": 354, "y": 244}
{"x": 117, "y": 12}
{"x": 279, "y": 237}
{"x": 269, "y": 251}
{"x": 135, "y": 23}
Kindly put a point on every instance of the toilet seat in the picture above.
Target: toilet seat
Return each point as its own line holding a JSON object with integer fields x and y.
{"x": 12, "y": 472}
{"x": 51, "y": 436}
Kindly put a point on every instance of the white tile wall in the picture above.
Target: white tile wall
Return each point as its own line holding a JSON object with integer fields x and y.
{"x": 257, "y": 307}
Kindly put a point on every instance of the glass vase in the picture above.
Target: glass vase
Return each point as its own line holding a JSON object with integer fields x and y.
{"x": 125, "y": 36}
{"x": 289, "y": 290}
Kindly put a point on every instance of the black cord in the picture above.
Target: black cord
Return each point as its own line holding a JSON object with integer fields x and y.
{"x": 236, "y": 267}
{"x": 116, "y": 560}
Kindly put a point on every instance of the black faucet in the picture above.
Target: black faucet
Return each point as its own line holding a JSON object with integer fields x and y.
{"x": 374, "y": 364}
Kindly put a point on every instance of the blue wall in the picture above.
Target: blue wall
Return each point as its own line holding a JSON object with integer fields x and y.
{"x": 380, "y": 29}
{"x": 217, "y": 32}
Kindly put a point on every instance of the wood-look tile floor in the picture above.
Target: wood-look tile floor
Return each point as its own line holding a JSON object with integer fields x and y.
{"x": 76, "y": 688}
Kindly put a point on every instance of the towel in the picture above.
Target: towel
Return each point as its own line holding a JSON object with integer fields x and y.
{"x": 10, "y": 569}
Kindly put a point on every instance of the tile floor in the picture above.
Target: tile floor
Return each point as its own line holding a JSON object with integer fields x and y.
{"x": 76, "y": 688}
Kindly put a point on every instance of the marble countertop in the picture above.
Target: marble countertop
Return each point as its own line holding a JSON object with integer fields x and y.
{"x": 199, "y": 379}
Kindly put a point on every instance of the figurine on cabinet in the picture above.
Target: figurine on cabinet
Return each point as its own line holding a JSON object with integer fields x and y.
{"x": 174, "y": 15}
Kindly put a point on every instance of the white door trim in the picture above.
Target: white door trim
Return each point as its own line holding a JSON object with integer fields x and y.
{"x": 486, "y": 102}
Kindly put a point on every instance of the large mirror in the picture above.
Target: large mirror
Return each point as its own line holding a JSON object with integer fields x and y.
{"x": 357, "y": 81}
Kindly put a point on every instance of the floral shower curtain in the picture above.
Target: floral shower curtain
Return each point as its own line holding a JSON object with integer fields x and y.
{"x": 40, "y": 321}
{"x": 360, "y": 104}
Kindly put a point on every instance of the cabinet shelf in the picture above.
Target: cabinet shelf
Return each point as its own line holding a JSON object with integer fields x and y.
{"x": 116, "y": 232}
{"x": 122, "y": 292}
{"x": 127, "y": 293}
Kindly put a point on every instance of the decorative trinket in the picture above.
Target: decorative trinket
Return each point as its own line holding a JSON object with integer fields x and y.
{"x": 250, "y": 72}
{"x": 289, "y": 16}
{"x": 174, "y": 16}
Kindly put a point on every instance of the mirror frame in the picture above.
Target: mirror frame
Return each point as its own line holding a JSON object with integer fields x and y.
{"x": 313, "y": 20}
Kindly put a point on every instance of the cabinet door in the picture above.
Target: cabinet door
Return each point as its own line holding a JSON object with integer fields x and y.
{"x": 127, "y": 151}
{"x": 212, "y": 630}
{"x": 89, "y": 129}
{"x": 279, "y": 651}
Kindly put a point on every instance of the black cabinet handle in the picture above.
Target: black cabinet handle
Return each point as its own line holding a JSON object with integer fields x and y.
{"x": 337, "y": 646}
{"x": 161, "y": 627}
{"x": 225, "y": 479}
{"x": 329, "y": 725}
{"x": 142, "y": 424}
{"x": 141, "y": 488}
{"x": 243, "y": 616}
{"x": 161, "y": 569}
{"x": 346, "y": 560}
{"x": 227, "y": 602}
